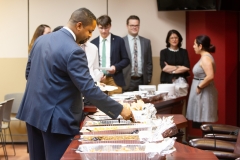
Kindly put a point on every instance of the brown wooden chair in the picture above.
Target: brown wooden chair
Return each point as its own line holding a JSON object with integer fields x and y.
{"x": 221, "y": 149}
{"x": 220, "y": 132}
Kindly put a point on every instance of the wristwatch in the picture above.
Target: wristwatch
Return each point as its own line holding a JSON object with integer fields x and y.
{"x": 173, "y": 72}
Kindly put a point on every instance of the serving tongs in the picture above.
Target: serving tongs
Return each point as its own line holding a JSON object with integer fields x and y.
{"x": 77, "y": 150}
{"x": 94, "y": 119}
{"x": 93, "y": 139}
{"x": 102, "y": 120}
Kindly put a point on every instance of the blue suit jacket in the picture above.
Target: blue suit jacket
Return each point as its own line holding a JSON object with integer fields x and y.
{"x": 119, "y": 57}
{"x": 57, "y": 74}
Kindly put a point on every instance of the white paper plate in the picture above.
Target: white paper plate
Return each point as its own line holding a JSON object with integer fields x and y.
{"x": 105, "y": 68}
{"x": 128, "y": 93}
{"x": 108, "y": 88}
{"x": 122, "y": 96}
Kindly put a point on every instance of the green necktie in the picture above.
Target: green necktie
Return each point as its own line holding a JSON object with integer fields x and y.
{"x": 104, "y": 55}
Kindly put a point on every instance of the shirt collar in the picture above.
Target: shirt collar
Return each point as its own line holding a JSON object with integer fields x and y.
{"x": 131, "y": 37}
{"x": 108, "y": 38}
{"x": 69, "y": 30}
{"x": 86, "y": 43}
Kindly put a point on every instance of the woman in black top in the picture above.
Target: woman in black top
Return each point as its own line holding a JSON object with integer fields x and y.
{"x": 174, "y": 60}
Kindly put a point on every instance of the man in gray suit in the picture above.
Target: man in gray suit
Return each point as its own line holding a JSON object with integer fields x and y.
{"x": 139, "y": 72}
{"x": 57, "y": 75}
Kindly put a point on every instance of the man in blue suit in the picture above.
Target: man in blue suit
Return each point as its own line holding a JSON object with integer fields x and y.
{"x": 112, "y": 54}
{"x": 57, "y": 75}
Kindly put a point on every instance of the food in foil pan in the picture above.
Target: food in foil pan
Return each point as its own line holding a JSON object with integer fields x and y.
{"x": 113, "y": 138}
{"x": 114, "y": 122}
{"x": 108, "y": 122}
{"x": 114, "y": 151}
{"x": 105, "y": 128}
{"x": 152, "y": 96}
{"x": 110, "y": 137}
{"x": 129, "y": 129}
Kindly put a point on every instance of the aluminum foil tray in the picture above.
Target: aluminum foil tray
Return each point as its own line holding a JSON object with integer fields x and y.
{"x": 101, "y": 117}
{"x": 120, "y": 129}
{"x": 107, "y": 151}
{"x": 113, "y": 138}
{"x": 151, "y": 98}
{"x": 158, "y": 96}
{"x": 108, "y": 122}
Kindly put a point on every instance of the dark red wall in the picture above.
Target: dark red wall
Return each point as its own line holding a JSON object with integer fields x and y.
{"x": 222, "y": 28}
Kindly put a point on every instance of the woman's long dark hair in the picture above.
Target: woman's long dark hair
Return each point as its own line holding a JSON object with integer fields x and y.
{"x": 205, "y": 41}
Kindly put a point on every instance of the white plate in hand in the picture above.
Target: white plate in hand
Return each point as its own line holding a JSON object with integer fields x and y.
{"x": 105, "y": 68}
{"x": 108, "y": 88}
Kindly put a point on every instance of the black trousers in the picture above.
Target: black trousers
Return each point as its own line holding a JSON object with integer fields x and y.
{"x": 134, "y": 84}
{"x": 46, "y": 145}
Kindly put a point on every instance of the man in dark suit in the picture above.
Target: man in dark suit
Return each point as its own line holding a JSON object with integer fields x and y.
{"x": 139, "y": 50}
{"x": 112, "y": 53}
{"x": 57, "y": 75}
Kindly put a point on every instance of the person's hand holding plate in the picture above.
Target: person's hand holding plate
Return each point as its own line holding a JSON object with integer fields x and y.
{"x": 112, "y": 70}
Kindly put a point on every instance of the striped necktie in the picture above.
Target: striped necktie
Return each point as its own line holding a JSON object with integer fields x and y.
{"x": 135, "y": 52}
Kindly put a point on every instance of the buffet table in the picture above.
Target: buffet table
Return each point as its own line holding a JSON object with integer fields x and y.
{"x": 170, "y": 106}
{"x": 182, "y": 151}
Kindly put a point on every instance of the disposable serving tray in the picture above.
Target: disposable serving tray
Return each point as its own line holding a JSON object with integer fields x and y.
{"x": 107, "y": 151}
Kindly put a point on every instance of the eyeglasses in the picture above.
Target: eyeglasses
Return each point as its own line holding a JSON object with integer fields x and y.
{"x": 133, "y": 26}
{"x": 172, "y": 38}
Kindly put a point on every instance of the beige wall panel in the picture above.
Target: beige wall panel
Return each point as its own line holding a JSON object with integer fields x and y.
{"x": 13, "y": 28}
{"x": 12, "y": 75}
{"x": 57, "y": 12}
{"x": 156, "y": 71}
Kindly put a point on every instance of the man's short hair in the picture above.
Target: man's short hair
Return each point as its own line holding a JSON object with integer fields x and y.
{"x": 57, "y": 28}
{"x": 133, "y": 17}
{"x": 82, "y": 15}
{"x": 104, "y": 20}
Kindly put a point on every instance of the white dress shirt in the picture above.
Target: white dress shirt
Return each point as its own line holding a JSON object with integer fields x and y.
{"x": 69, "y": 30}
{"x": 93, "y": 62}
